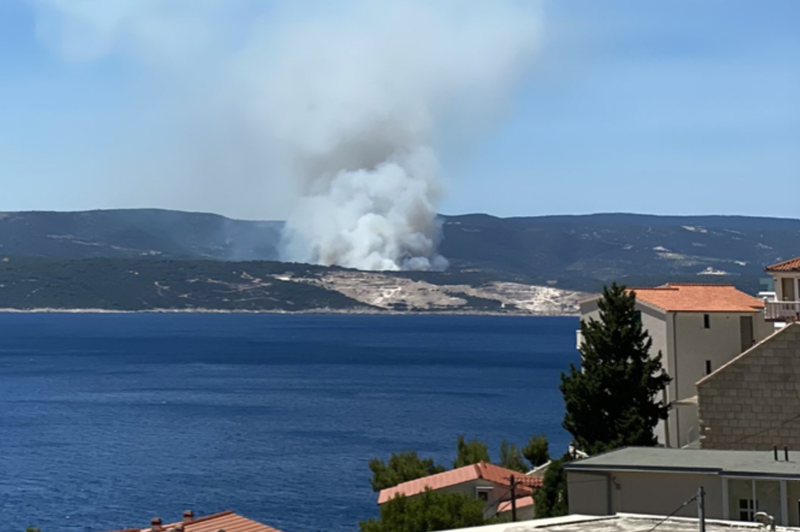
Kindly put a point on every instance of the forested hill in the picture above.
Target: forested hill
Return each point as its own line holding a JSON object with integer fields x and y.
{"x": 575, "y": 252}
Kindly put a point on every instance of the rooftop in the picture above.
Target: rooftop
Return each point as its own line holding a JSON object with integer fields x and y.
{"x": 750, "y": 463}
{"x": 791, "y": 265}
{"x": 522, "y": 502}
{"x": 482, "y": 470}
{"x": 678, "y": 297}
{"x": 227, "y": 521}
{"x": 621, "y": 523}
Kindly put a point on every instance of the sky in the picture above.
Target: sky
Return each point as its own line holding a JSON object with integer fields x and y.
{"x": 658, "y": 106}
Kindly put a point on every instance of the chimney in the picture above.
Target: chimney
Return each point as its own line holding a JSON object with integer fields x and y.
{"x": 155, "y": 525}
{"x": 786, "y": 453}
{"x": 188, "y": 517}
{"x": 775, "y": 452}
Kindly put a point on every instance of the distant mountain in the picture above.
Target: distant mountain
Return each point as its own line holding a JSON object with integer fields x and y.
{"x": 136, "y": 233}
{"x": 572, "y": 252}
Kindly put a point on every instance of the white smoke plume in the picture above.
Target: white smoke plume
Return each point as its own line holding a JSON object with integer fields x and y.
{"x": 349, "y": 99}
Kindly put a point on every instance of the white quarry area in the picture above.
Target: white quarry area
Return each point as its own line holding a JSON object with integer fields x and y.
{"x": 400, "y": 293}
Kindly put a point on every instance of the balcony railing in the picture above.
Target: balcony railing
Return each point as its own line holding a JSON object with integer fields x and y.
{"x": 783, "y": 310}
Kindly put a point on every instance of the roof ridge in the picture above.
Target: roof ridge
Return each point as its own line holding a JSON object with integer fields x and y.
{"x": 210, "y": 517}
{"x": 783, "y": 263}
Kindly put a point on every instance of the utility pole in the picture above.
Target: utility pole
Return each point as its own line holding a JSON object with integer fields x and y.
{"x": 513, "y": 480}
{"x": 701, "y": 509}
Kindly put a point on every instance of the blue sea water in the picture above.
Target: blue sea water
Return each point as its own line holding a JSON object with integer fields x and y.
{"x": 109, "y": 420}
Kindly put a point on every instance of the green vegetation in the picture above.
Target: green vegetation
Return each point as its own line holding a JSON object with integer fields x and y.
{"x": 511, "y": 458}
{"x": 31, "y": 529}
{"x": 401, "y": 467}
{"x": 551, "y": 500}
{"x": 537, "y": 451}
{"x": 471, "y": 452}
{"x": 611, "y": 401}
{"x": 428, "y": 512}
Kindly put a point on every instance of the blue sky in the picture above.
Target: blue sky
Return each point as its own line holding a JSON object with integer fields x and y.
{"x": 665, "y": 107}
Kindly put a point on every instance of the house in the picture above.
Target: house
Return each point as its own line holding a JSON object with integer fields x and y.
{"x": 623, "y": 523}
{"x": 488, "y": 482}
{"x": 227, "y": 521}
{"x": 753, "y": 401}
{"x": 658, "y": 481}
{"x": 697, "y": 328}
{"x": 786, "y": 307}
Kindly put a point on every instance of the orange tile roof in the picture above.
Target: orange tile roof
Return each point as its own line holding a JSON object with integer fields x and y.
{"x": 791, "y": 265}
{"x": 680, "y": 297}
{"x": 482, "y": 470}
{"x": 522, "y": 502}
{"x": 227, "y": 521}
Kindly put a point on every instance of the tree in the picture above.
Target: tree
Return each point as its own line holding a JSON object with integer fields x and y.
{"x": 31, "y": 529}
{"x": 552, "y": 499}
{"x": 510, "y": 458}
{"x": 470, "y": 452}
{"x": 537, "y": 451}
{"x": 610, "y": 401}
{"x": 427, "y": 512}
{"x": 402, "y": 467}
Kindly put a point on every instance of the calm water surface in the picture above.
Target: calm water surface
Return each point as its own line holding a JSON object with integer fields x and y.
{"x": 109, "y": 420}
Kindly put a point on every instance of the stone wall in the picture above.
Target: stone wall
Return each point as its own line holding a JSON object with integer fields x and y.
{"x": 753, "y": 402}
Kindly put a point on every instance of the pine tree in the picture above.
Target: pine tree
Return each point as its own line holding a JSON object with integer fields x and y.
{"x": 551, "y": 500}
{"x": 401, "y": 467}
{"x": 537, "y": 451}
{"x": 469, "y": 453}
{"x": 611, "y": 401}
{"x": 511, "y": 458}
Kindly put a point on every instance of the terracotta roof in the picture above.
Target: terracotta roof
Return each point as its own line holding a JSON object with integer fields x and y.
{"x": 791, "y": 265}
{"x": 679, "y": 297}
{"x": 227, "y": 521}
{"x": 522, "y": 502}
{"x": 482, "y": 470}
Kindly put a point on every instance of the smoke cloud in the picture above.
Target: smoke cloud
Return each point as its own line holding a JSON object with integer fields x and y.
{"x": 346, "y": 100}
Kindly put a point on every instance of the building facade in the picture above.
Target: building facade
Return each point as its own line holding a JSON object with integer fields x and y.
{"x": 697, "y": 329}
{"x": 786, "y": 307}
{"x": 657, "y": 481}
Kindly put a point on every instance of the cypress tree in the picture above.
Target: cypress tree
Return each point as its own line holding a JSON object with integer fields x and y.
{"x": 611, "y": 400}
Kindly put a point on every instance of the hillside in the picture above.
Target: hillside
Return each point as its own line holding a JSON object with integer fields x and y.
{"x": 569, "y": 252}
{"x": 115, "y": 284}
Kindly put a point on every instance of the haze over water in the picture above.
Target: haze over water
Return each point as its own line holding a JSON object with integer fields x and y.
{"x": 109, "y": 420}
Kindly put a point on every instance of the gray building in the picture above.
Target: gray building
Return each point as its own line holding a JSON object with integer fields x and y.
{"x": 657, "y": 481}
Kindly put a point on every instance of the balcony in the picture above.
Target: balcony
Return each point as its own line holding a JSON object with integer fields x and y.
{"x": 783, "y": 310}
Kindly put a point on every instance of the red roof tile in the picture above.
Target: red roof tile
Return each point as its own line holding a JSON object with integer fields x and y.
{"x": 482, "y": 470}
{"x": 522, "y": 502}
{"x": 679, "y": 297}
{"x": 227, "y": 521}
{"x": 791, "y": 265}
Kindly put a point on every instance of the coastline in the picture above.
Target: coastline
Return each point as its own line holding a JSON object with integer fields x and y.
{"x": 364, "y": 312}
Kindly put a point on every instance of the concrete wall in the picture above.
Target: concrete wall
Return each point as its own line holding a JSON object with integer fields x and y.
{"x": 750, "y": 403}
{"x": 653, "y": 493}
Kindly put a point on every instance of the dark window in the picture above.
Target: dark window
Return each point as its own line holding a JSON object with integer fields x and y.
{"x": 706, "y": 321}
{"x": 747, "y": 509}
{"x": 637, "y": 315}
{"x": 708, "y": 367}
{"x": 483, "y": 495}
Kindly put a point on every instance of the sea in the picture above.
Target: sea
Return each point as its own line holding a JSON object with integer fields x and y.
{"x": 109, "y": 420}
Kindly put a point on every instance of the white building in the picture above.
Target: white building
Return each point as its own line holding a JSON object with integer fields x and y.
{"x": 697, "y": 328}
{"x": 787, "y": 290}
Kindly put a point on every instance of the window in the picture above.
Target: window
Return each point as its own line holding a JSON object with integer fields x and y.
{"x": 706, "y": 321}
{"x": 747, "y": 509}
{"x": 708, "y": 367}
{"x": 637, "y": 316}
{"x": 482, "y": 492}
